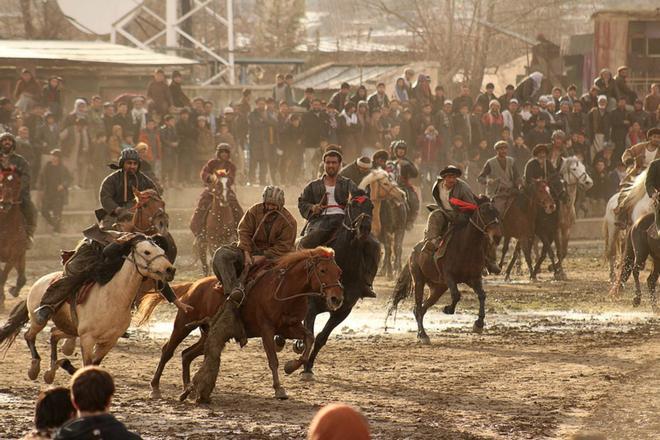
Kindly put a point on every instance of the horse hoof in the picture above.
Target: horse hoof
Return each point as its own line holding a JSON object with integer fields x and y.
{"x": 291, "y": 366}
{"x": 49, "y": 376}
{"x": 307, "y": 376}
{"x": 424, "y": 340}
{"x": 636, "y": 301}
{"x": 280, "y": 342}
{"x": 183, "y": 396}
{"x": 448, "y": 310}
{"x": 281, "y": 394}
{"x": 33, "y": 372}
{"x": 299, "y": 346}
{"x": 155, "y": 394}
{"x": 69, "y": 346}
{"x": 478, "y": 327}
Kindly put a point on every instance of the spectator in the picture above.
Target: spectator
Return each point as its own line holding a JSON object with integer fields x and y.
{"x": 562, "y": 117}
{"x": 407, "y": 132}
{"x": 621, "y": 88}
{"x": 76, "y": 143}
{"x": 422, "y": 91}
{"x": 27, "y": 91}
{"x": 600, "y": 192}
{"x": 540, "y": 134}
{"x": 99, "y": 158}
{"x": 315, "y": 123}
{"x": 438, "y": 100}
{"x": 79, "y": 112}
{"x": 293, "y": 138}
{"x": 48, "y": 135}
{"x": 158, "y": 92}
{"x": 605, "y": 85}
{"x": 138, "y": 116}
{"x": 6, "y": 114}
{"x": 204, "y": 145}
{"x": 150, "y": 136}
{"x": 464, "y": 99}
{"x": 619, "y": 126}
{"x": 485, "y": 98}
{"x": 571, "y": 95}
{"x": 359, "y": 96}
{"x": 340, "y": 97}
{"x": 169, "y": 140}
{"x": 95, "y": 123}
{"x": 492, "y": 122}
{"x": 338, "y": 421}
{"x": 187, "y": 134}
{"x": 652, "y": 100}
{"x": 520, "y": 153}
{"x": 348, "y": 131}
{"x": 529, "y": 88}
{"x": 507, "y": 97}
{"x": 408, "y": 76}
{"x": 598, "y": 125}
{"x": 123, "y": 119}
{"x": 577, "y": 119}
{"x": 458, "y": 154}
{"x": 92, "y": 389}
{"x": 308, "y": 96}
{"x": 590, "y": 100}
{"x": 401, "y": 90}
{"x": 635, "y": 135}
{"x": 465, "y": 125}
{"x": 179, "y": 98}
{"x": 146, "y": 164}
{"x": 53, "y": 409}
{"x": 556, "y": 96}
{"x": 378, "y": 99}
{"x": 511, "y": 117}
{"x": 606, "y": 155}
{"x": 55, "y": 181}
{"x": 108, "y": 117}
{"x": 52, "y": 96}
{"x": 640, "y": 116}
{"x": 581, "y": 146}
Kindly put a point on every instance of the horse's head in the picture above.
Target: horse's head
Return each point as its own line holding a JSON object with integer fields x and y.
{"x": 487, "y": 219}
{"x": 150, "y": 259}
{"x": 150, "y": 216}
{"x": 383, "y": 186}
{"x": 324, "y": 276}
{"x": 575, "y": 173}
{"x": 542, "y": 196}
{"x": 220, "y": 187}
{"x": 10, "y": 190}
{"x": 358, "y": 214}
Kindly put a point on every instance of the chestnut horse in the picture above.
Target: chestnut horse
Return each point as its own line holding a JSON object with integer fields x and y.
{"x": 220, "y": 227}
{"x": 463, "y": 262}
{"x": 275, "y": 305}
{"x": 13, "y": 234}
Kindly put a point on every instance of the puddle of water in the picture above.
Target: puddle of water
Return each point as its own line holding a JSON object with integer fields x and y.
{"x": 6, "y": 399}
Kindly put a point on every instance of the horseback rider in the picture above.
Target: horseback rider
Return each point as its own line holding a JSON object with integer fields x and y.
{"x": 116, "y": 194}
{"x": 455, "y": 203}
{"x": 266, "y": 231}
{"x": 637, "y": 158}
{"x": 10, "y": 161}
{"x": 379, "y": 159}
{"x": 501, "y": 178}
{"x": 323, "y": 201}
{"x": 357, "y": 170}
{"x": 99, "y": 244}
{"x": 652, "y": 185}
{"x": 405, "y": 171}
{"x": 222, "y": 161}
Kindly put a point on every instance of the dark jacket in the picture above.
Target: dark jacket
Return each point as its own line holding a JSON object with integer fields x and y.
{"x": 653, "y": 178}
{"x": 53, "y": 176}
{"x": 534, "y": 170}
{"x": 271, "y": 234}
{"x": 316, "y": 127}
{"x": 352, "y": 171}
{"x": 314, "y": 193}
{"x": 103, "y": 426}
{"x": 375, "y": 104}
{"x": 117, "y": 189}
{"x": 22, "y": 168}
{"x": 179, "y": 98}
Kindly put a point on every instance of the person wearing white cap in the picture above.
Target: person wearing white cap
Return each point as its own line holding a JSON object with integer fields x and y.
{"x": 357, "y": 170}
{"x": 599, "y": 125}
{"x": 512, "y": 120}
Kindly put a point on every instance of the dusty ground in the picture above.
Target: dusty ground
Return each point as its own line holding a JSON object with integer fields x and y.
{"x": 556, "y": 358}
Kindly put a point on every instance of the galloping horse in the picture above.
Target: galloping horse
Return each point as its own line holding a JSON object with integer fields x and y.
{"x": 220, "y": 225}
{"x": 464, "y": 261}
{"x": 637, "y": 202}
{"x": 275, "y": 304}
{"x": 91, "y": 320}
{"x": 13, "y": 234}
{"x": 574, "y": 174}
{"x": 519, "y": 222}
{"x": 389, "y": 217}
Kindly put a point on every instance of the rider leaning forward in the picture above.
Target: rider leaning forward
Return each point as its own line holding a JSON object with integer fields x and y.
{"x": 99, "y": 246}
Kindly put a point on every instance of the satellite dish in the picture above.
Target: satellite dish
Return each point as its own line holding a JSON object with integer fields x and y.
{"x": 96, "y": 16}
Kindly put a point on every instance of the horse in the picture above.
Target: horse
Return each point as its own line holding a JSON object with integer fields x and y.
{"x": 358, "y": 254}
{"x": 13, "y": 233}
{"x": 389, "y": 217}
{"x": 464, "y": 262}
{"x": 546, "y": 228}
{"x": 90, "y": 320}
{"x": 638, "y": 203}
{"x": 519, "y": 221}
{"x": 220, "y": 227}
{"x": 275, "y": 304}
{"x": 574, "y": 174}
{"x": 639, "y": 246}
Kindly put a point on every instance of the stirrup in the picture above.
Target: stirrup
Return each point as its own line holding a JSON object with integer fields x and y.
{"x": 237, "y": 290}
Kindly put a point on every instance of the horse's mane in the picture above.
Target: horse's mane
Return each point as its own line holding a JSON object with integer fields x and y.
{"x": 635, "y": 191}
{"x": 373, "y": 176}
{"x": 294, "y": 257}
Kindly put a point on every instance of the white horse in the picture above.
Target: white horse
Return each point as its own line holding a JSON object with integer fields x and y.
{"x": 102, "y": 318}
{"x": 638, "y": 203}
{"x": 574, "y": 174}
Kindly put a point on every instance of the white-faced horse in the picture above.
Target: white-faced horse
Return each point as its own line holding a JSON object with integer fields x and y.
{"x": 574, "y": 174}
{"x": 102, "y": 318}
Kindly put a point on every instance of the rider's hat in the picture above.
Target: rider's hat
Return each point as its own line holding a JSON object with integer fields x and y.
{"x": 398, "y": 144}
{"x": 652, "y": 132}
{"x": 223, "y": 146}
{"x": 540, "y": 148}
{"x": 380, "y": 154}
{"x": 273, "y": 194}
{"x": 451, "y": 170}
{"x": 500, "y": 144}
{"x": 364, "y": 162}
{"x": 333, "y": 152}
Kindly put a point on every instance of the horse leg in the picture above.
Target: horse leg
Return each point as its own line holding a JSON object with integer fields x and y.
{"x": 69, "y": 346}
{"x": 267, "y": 339}
{"x": 540, "y": 260}
{"x": 4, "y": 274}
{"x": 398, "y": 249}
{"x": 30, "y": 339}
{"x": 505, "y": 249}
{"x": 422, "y": 337}
{"x": 190, "y": 354}
{"x": 101, "y": 350}
{"x": 436, "y": 292}
{"x": 477, "y": 286}
{"x": 20, "y": 277}
{"x": 642, "y": 251}
{"x": 298, "y": 331}
{"x": 387, "y": 243}
{"x": 55, "y": 336}
{"x": 455, "y": 296}
{"x": 179, "y": 333}
{"x": 651, "y": 283}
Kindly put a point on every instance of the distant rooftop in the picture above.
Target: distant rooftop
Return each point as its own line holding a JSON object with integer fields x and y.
{"x": 86, "y": 52}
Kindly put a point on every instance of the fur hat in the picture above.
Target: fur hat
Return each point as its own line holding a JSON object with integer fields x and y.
{"x": 273, "y": 194}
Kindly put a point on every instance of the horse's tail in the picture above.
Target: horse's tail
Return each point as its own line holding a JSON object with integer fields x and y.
{"x": 151, "y": 300}
{"x": 402, "y": 290}
{"x": 18, "y": 317}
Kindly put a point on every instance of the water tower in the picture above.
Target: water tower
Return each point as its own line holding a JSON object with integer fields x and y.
{"x": 122, "y": 19}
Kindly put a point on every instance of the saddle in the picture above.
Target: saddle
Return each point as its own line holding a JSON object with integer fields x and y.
{"x": 255, "y": 272}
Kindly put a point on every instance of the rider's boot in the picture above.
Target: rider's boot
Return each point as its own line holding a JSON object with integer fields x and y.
{"x": 43, "y": 313}
{"x": 232, "y": 305}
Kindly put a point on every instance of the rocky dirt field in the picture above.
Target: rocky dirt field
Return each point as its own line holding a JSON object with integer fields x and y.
{"x": 555, "y": 359}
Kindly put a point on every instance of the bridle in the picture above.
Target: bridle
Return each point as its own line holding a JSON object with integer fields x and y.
{"x": 312, "y": 271}
{"x": 148, "y": 262}
{"x": 139, "y": 213}
{"x": 354, "y": 224}
{"x": 480, "y": 224}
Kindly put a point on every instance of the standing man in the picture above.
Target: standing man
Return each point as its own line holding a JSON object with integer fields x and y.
{"x": 55, "y": 181}
{"x": 159, "y": 92}
{"x": 378, "y": 99}
{"x": 339, "y": 99}
{"x": 258, "y": 123}
{"x": 501, "y": 178}
{"x": 323, "y": 201}
{"x": 315, "y": 126}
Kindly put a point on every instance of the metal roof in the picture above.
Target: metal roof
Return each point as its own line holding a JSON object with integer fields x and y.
{"x": 86, "y": 52}
{"x": 332, "y": 76}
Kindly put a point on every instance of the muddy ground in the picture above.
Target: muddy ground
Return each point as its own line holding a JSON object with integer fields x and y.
{"x": 556, "y": 358}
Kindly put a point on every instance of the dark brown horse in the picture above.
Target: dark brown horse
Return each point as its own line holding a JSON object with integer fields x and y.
{"x": 519, "y": 221}
{"x": 221, "y": 223}
{"x": 275, "y": 305}
{"x": 463, "y": 262}
{"x": 13, "y": 234}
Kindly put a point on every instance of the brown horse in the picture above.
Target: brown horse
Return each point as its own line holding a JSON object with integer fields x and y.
{"x": 463, "y": 262}
{"x": 221, "y": 224}
{"x": 149, "y": 216}
{"x": 13, "y": 234}
{"x": 519, "y": 221}
{"x": 275, "y": 305}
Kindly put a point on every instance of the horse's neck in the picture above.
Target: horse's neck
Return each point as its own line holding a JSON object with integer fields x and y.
{"x": 123, "y": 287}
{"x": 571, "y": 190}
{"x": 293, "y": 282}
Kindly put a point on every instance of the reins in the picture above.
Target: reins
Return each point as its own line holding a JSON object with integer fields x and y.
{"x": 310, "y": 265}
{"x": 485, "y": 226}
